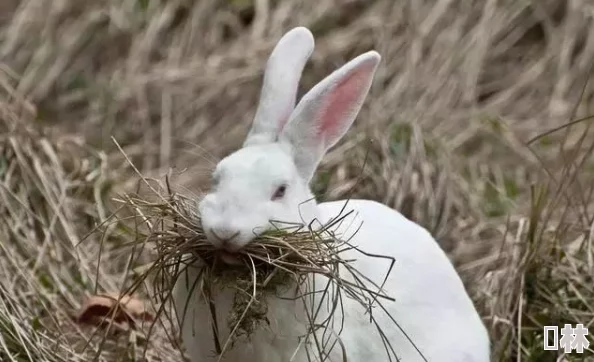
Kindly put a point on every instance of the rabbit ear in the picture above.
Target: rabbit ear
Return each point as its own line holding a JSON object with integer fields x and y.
{"x": 327, "y": 111}
{"x": 279, "y": 89}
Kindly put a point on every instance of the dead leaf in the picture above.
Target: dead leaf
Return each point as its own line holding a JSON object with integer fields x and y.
{"x": 101, "y": 310}
{"x": 135, "y": 308}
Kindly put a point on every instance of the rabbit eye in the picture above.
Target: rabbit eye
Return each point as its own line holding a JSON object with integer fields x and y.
{"x": 279, "y": 193}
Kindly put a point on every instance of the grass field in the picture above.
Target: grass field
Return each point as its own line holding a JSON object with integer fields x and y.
{"x": 476, "y": 127}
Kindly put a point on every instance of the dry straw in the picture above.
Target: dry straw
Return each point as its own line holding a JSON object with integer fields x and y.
{"x": 284, "y": 257}
{"x": 462, "y": 85}
{"x": 51, "y": 193}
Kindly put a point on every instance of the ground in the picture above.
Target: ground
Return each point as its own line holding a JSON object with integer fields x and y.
{"x": 476, "y": 127}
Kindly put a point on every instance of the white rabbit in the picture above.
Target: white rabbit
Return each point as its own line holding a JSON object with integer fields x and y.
{"x": 268, "y": 179}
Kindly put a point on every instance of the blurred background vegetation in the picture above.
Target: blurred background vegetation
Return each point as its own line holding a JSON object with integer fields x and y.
{"x": 476, "y": 127}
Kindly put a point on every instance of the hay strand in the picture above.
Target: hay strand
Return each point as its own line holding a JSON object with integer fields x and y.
{"x": 286, "y": 256}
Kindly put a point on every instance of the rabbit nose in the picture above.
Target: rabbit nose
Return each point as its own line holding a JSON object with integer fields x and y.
{"x": 224, "y": 237}
{"x": 224, "y": 234}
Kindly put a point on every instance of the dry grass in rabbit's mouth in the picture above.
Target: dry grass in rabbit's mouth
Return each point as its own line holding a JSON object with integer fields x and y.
{"x": 281, "y": 258}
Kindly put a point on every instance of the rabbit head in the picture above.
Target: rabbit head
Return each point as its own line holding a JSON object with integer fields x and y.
{"x": 268, "y": 178}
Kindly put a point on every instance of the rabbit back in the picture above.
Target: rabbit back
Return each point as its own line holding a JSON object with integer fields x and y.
{"x": 430, "y": 303}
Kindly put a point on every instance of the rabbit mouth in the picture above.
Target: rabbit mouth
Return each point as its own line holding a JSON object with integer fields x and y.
{"x": 230, "y": 258}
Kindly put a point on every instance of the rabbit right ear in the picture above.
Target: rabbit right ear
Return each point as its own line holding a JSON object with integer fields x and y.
{"x": 327, "y": 111}
{"x": 279, "y": 89}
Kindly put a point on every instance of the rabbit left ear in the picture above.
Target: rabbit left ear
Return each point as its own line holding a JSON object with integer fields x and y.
{"x": 279, "y": 89}
{"x": 327, "y": 111}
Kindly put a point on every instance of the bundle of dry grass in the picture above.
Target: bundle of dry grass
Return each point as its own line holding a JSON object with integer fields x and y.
{"x": 285, "y": 257}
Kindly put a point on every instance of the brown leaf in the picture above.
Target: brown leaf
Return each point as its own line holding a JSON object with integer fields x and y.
{"x": 135, "y": 308}
{"x": 100, "y": 310}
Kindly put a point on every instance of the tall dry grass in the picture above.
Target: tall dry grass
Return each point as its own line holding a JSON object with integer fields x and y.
{"x": 463, "y": 88}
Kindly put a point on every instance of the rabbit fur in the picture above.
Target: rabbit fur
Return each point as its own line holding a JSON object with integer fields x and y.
{"x": 268, "y": 179}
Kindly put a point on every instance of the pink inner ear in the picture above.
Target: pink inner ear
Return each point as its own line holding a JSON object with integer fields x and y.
{"x": 341, "y": 100}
